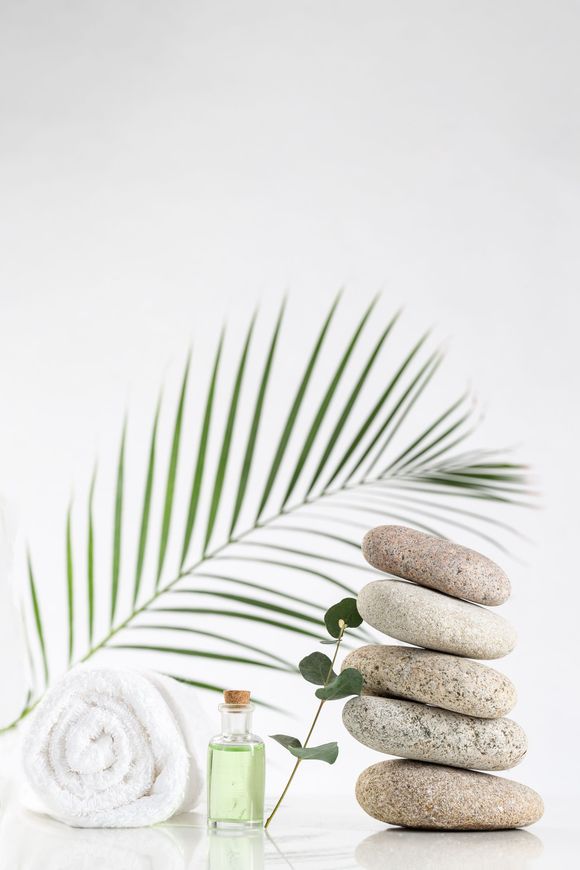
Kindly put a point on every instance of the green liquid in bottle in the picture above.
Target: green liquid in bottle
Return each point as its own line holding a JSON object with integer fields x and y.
{"x": 236, "y": 774}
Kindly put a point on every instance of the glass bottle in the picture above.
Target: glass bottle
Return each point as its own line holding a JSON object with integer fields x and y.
{"x": 236, "y": 768}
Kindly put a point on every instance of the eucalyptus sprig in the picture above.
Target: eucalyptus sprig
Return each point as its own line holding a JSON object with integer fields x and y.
{"x": 318, "y": 669}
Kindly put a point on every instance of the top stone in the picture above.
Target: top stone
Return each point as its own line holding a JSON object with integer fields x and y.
{"x": 436, "y": 563}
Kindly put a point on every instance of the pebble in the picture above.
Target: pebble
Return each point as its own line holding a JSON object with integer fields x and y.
{"x": 435, "y": 678}
{"x": 424, "y": 733}
{"x": 436, "y": 563}
{"x": 430, "y": 796}
{"x": 430, "y": 619}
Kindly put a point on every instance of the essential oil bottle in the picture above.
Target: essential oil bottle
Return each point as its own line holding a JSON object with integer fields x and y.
{"x": 236, "y": 768}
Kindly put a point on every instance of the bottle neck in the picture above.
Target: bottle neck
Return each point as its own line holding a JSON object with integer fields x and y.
{"x": 236, "y": 720}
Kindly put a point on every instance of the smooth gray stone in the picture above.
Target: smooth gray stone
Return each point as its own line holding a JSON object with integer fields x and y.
{"x": 432, "y": 797}
{"x": 424, "y": 733}
{"x": 430, "y": 619}
{"x": 436, "y": 563}
{"x": 435, "y": 678}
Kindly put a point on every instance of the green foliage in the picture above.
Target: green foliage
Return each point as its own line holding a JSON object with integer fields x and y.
{"x": 319, "y": 669}
{"x": 286, "y": 741}
{"x": 341, "y": 443}
{"x": 316, "y": 668}
{"x": 345, "y": 613}
{"x": 327, "y": 752}
{"x": 349, "y": 682}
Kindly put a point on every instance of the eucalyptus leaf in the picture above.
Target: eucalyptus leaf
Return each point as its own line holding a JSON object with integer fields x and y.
{"x": 286, "y": 741}
{"x": 349, "y": 682}
{"x": 325, "y": 752}
{"x": 345, "y": 611}
{"x": 316, "y": 668}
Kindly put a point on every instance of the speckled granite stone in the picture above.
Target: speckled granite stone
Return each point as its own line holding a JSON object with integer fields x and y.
{"x": 426, "y": 618}
{"x": 424, "y": 733}
{"x": 437, "y": 563}
{"x": 429, "y": 796}
{"x": 433, "y": 678}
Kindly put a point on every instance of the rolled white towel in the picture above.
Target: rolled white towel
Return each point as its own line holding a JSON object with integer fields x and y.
{"x": 114, "y": 749}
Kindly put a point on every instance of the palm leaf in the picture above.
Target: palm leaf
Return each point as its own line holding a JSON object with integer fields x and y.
{"x": 377, "y": 408}
{"x": 223, "y": 638}
{"x": 201, "y": 454}
{"x": 117, "y": 526}
{"x": 405, "y": 405}
{"x": 38, "y": 620}
{"x": 146, "y": 510}
{"x": 211, "y": 687}
{"x": 171, "y": 475}
{"x": 237, "y": 581}
{"x": 408, "y": 453}
{"x": 91, "y": 560}
{"x": 349, "y": 405}
{"x": 239, "y": 614}
{"x": 309, "y": 554}
{"x": 253, "y": 435}
{"x": 294, "y": 410}
{"x": 415, "y": 388}
{"x": 324, "y": 404}
{"x": 256, "y": 602}
{"x": 443, "y": 509}
{"x": 320, "y": 483}
{"x": 70, "y": 601}
{"x": 198, "y": 653}
{"x": 387, "y": 506}
{"x": 227, "y": 440}
{"x": 308, "y": 530}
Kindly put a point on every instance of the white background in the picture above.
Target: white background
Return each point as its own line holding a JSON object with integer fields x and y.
{"x": 169, "y": 165}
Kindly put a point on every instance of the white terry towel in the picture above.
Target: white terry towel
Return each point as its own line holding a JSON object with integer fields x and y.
{"x": 114, "y": 749}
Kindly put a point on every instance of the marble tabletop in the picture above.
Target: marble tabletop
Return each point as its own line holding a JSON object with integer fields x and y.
{"x": 314, "y": 833}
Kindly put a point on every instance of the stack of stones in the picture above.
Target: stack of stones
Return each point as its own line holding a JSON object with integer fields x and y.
{"x": 435, "y": 707}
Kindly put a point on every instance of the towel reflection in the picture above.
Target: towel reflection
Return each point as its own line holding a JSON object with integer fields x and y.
{"x": 33, "y": 842}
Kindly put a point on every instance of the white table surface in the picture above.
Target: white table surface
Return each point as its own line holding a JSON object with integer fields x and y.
{"x": 307, "y": 833}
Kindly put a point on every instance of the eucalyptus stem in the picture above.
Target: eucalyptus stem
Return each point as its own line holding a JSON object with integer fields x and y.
{"x": 342, "y": 625}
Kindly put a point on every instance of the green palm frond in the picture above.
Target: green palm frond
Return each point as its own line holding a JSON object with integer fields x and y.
{"x": 269, "y": 505}
{"x": 118, "y": 526}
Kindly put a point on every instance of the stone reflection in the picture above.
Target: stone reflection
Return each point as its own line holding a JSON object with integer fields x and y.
{"x": 402, "y": 849}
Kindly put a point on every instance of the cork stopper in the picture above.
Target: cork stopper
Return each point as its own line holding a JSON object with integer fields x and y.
{"x": 240, "y": 698}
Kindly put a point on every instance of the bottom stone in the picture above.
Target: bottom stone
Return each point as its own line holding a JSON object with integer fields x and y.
{"x": 415, "y": 794}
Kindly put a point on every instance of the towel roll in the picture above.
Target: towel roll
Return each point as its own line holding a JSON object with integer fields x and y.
{"x": 114, "y": 749}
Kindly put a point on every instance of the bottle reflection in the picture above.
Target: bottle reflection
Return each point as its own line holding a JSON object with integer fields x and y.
{"x": 236, "y": 850}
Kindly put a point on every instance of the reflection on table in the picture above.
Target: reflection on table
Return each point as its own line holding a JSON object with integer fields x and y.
{"x": 307, "y": 837}
{"x": 36, "y": 842}
{"x": 236, "y": 850}
{"x": 400, "y": 849}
